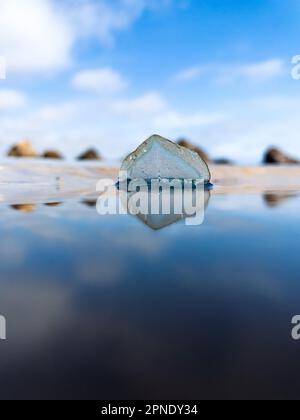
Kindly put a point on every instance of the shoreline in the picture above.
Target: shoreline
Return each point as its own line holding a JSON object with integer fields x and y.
{"x": 28, "y": 181}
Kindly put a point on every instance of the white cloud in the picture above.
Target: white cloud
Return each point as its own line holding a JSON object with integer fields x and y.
{"x": 241, "y": 132}
{"x": 230, "y": 73}
{"x": 57, "y": 113}
{"x": 149, "y": 104}
{"x": 11, "y": 99}
{"x": 189, "y": 74}
{"x": 103, "y": 80}
{"x": 2, "y": 68}
{"x": 254, "y": 125}
{"x": 39, "y": 35}
{"x": 264, "y": 70}
{"x": 115, "y": 126}
{"x": 33, "y": 36}
{"x": 102, "y": 19}
{"x": 254, "y": 72}
{"x": 177, "y": 120}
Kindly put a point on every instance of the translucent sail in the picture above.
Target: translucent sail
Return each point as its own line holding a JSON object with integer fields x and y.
{"x": 160, "y": 158}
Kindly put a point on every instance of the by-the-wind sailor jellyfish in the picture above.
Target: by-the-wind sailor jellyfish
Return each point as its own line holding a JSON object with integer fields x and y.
{"x": 160, "y": 158}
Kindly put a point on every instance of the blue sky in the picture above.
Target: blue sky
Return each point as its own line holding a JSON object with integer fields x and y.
{"x": 109, "y": 73}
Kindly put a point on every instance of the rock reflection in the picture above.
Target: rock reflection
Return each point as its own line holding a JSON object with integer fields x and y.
{"x": 155, "y": 220}
{"x": 31, "y": 208}
{"x": 90, "y": 203}
{"x": 53, "y": 204}
{"x": 24, "y": 208}
{"x": 273, "y": 200}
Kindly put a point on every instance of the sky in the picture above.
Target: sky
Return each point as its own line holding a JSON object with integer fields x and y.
{"x": 110, "y": 73}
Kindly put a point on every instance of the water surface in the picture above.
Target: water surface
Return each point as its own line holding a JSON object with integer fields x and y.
{"x": 107, "y": 308}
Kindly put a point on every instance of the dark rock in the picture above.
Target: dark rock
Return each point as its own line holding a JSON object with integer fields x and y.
{"x": 276, "y": 156}
{"x": 90, "y": 154}
{"x": 223, "y": 161}
{"x": 52, "y": 154}
{"x": 194, "y": 148}
{"x": 23, "y": 149}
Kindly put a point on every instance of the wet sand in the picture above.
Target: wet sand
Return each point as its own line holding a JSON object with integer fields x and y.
{"x": 241, "y": 180}
{"x": 34, "y": 181}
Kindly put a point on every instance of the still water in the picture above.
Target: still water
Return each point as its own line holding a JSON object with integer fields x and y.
{"x": 107, "y": 308}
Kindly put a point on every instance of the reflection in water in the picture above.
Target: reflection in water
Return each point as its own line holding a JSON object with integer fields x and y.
{"x": 102, "y": 308}
{"x": 160, "y": 221}
{"x": 274, "y": 200}
{"x": 31, "y": 208}
{"x": 165, "y": 207}
{"x": 90, "y": 203}
{"x": 24, "y": 208}
{"x": 53, "y": 204}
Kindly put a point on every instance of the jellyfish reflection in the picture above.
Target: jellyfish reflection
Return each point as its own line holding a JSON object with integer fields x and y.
{"x": 165, "y": 206}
